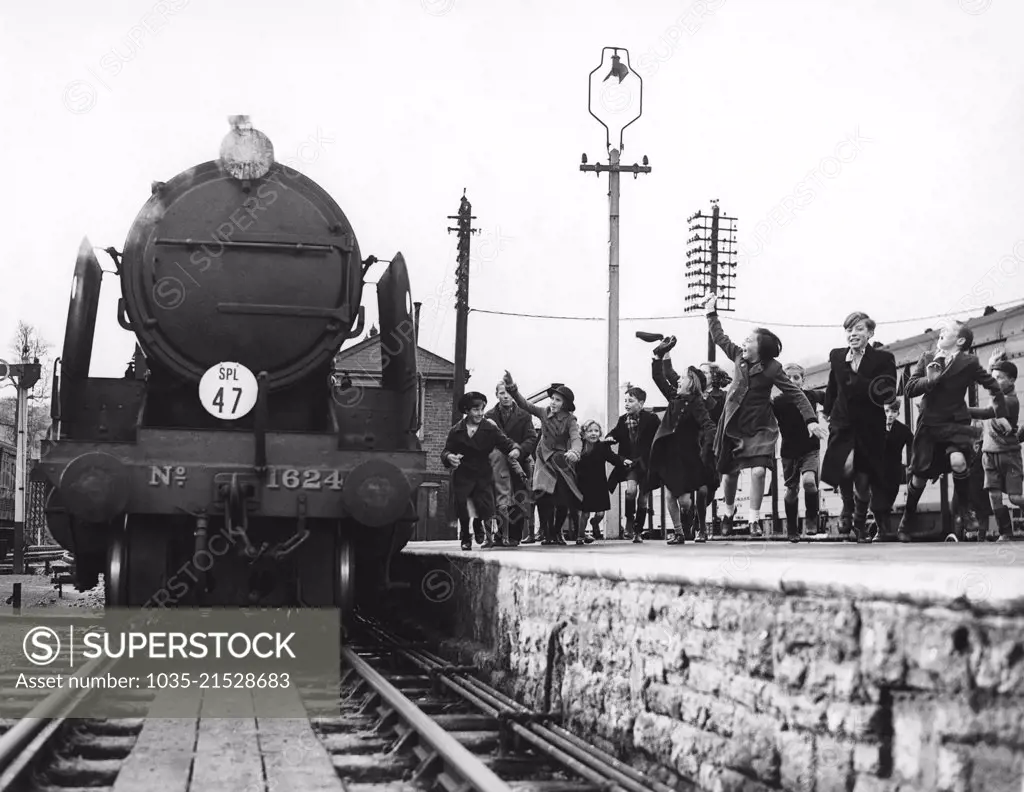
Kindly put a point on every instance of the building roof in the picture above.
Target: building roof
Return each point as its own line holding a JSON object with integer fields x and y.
{"x": 364, "y": 358}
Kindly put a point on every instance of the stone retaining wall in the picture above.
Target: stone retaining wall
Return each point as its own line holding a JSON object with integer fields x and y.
{"x": 746, "y": 690}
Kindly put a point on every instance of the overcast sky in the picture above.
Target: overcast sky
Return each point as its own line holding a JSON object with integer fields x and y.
{"x": 871, "y": 152}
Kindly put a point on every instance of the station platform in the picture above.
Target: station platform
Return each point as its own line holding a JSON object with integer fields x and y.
{"x": 751, "y": 664}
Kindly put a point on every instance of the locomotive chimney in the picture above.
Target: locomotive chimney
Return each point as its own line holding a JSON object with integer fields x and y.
{"x": 416, "y": 322}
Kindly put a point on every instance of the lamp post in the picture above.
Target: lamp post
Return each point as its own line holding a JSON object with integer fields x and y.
{"x": 614, "y": 95}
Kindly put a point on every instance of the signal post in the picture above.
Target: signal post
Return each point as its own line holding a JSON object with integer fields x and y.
{"x": 25, "y": 376}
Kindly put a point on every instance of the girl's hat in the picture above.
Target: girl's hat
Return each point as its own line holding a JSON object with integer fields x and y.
{"x": 469, "y": 399}
{"x": 701, "y": 379}
{"x": 565, "y": 393}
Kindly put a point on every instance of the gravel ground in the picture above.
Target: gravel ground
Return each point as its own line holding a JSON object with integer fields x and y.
{"x": 38, "y": 597}
{"x": 38, "y": 593}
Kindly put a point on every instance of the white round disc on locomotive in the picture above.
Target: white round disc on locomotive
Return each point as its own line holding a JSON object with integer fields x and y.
{"x": 225, "y": 467}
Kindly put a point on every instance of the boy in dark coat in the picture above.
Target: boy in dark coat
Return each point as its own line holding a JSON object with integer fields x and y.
{"x": 748, "y": 432}
{"x": 634, "y": 433}
{"x": 862, "y": 379}
{"x": 799, "y": 455}
{"x": 894, "y": 471}
{"x": 944, "y": 440}
{"x": 511, "y": 485}
{"x": 468, "y": 451}
{"x": 1000, "y": 450}
{"x": 682, "y": 448}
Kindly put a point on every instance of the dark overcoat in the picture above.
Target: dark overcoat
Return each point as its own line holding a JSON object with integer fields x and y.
{"x": 714, "y": 400}
{"x": 855, "y": 406}
{"x": 519, "y": 429}
{"x": 682, "y": 451}
{"x": 748, "y": 417}
{"x": 896, "y": 439}
{"x": 591, "y": 472}
{"x": 475, "y": 467}
{"x": 637, "y": 451}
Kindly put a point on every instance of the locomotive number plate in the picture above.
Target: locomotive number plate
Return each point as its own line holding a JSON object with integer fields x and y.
{"x": 303, "y": 478}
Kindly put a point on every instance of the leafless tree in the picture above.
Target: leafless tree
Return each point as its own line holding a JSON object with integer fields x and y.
{"x": 29, "y": 342}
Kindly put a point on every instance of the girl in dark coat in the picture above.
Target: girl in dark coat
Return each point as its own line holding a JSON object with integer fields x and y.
{"x": 593, "y": 481}
{"x": 714, "y": 397}
{"x": 681, "y": 452}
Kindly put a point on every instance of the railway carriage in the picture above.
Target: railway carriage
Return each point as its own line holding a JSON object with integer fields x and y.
{"x": 228, "y": 467}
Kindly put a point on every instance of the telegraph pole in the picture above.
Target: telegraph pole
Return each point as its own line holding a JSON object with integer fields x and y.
{"x": 711, "y": 264}
{"x": 613, "y": 169}
{"x": 465, "y": 231}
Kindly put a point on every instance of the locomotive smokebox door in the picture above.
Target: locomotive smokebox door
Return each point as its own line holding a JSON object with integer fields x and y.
{"x": 263, "y": 270}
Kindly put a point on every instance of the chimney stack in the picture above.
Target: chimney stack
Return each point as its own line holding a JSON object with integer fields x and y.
{"x": 416, "y": 322}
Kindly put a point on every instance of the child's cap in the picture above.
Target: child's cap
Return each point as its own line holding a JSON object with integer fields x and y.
{"x": 1007, "y": 368}
{"x": 1000, "y": 362}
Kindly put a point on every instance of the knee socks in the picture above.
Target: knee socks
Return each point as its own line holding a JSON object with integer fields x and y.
{"x": 811, "y": 501}
{"x": 962, "y": 488}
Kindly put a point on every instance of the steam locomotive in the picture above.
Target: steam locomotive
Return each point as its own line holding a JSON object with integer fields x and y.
{"x": 228, "y": 467}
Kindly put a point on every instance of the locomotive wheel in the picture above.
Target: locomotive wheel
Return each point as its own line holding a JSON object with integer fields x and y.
{"x": 115, "y": 578}
{"x": 136, "y": 568}
{"x": 344, "y": 582}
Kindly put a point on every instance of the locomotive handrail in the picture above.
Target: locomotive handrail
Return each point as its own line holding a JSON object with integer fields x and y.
{"x": 310, "y": 311}
{"x": 297, "y": 246}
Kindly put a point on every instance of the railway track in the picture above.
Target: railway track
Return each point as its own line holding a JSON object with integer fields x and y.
{"x": 403, "y": 719}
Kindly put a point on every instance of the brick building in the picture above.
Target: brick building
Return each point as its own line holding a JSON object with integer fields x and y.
{"x": 361, "y": 363}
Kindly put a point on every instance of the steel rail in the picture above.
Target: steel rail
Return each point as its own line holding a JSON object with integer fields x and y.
{"x": 458, "y": 760}
{"x": 556, "y": 741}
{"x": 23, "y": 742}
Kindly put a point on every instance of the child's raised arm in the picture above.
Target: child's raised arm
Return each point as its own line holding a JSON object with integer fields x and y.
{"x": 721, "y": 339}
{"x": 660, "y": 373}
{"x": 989, "y": 383}
{"x": 517, "y": 397}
